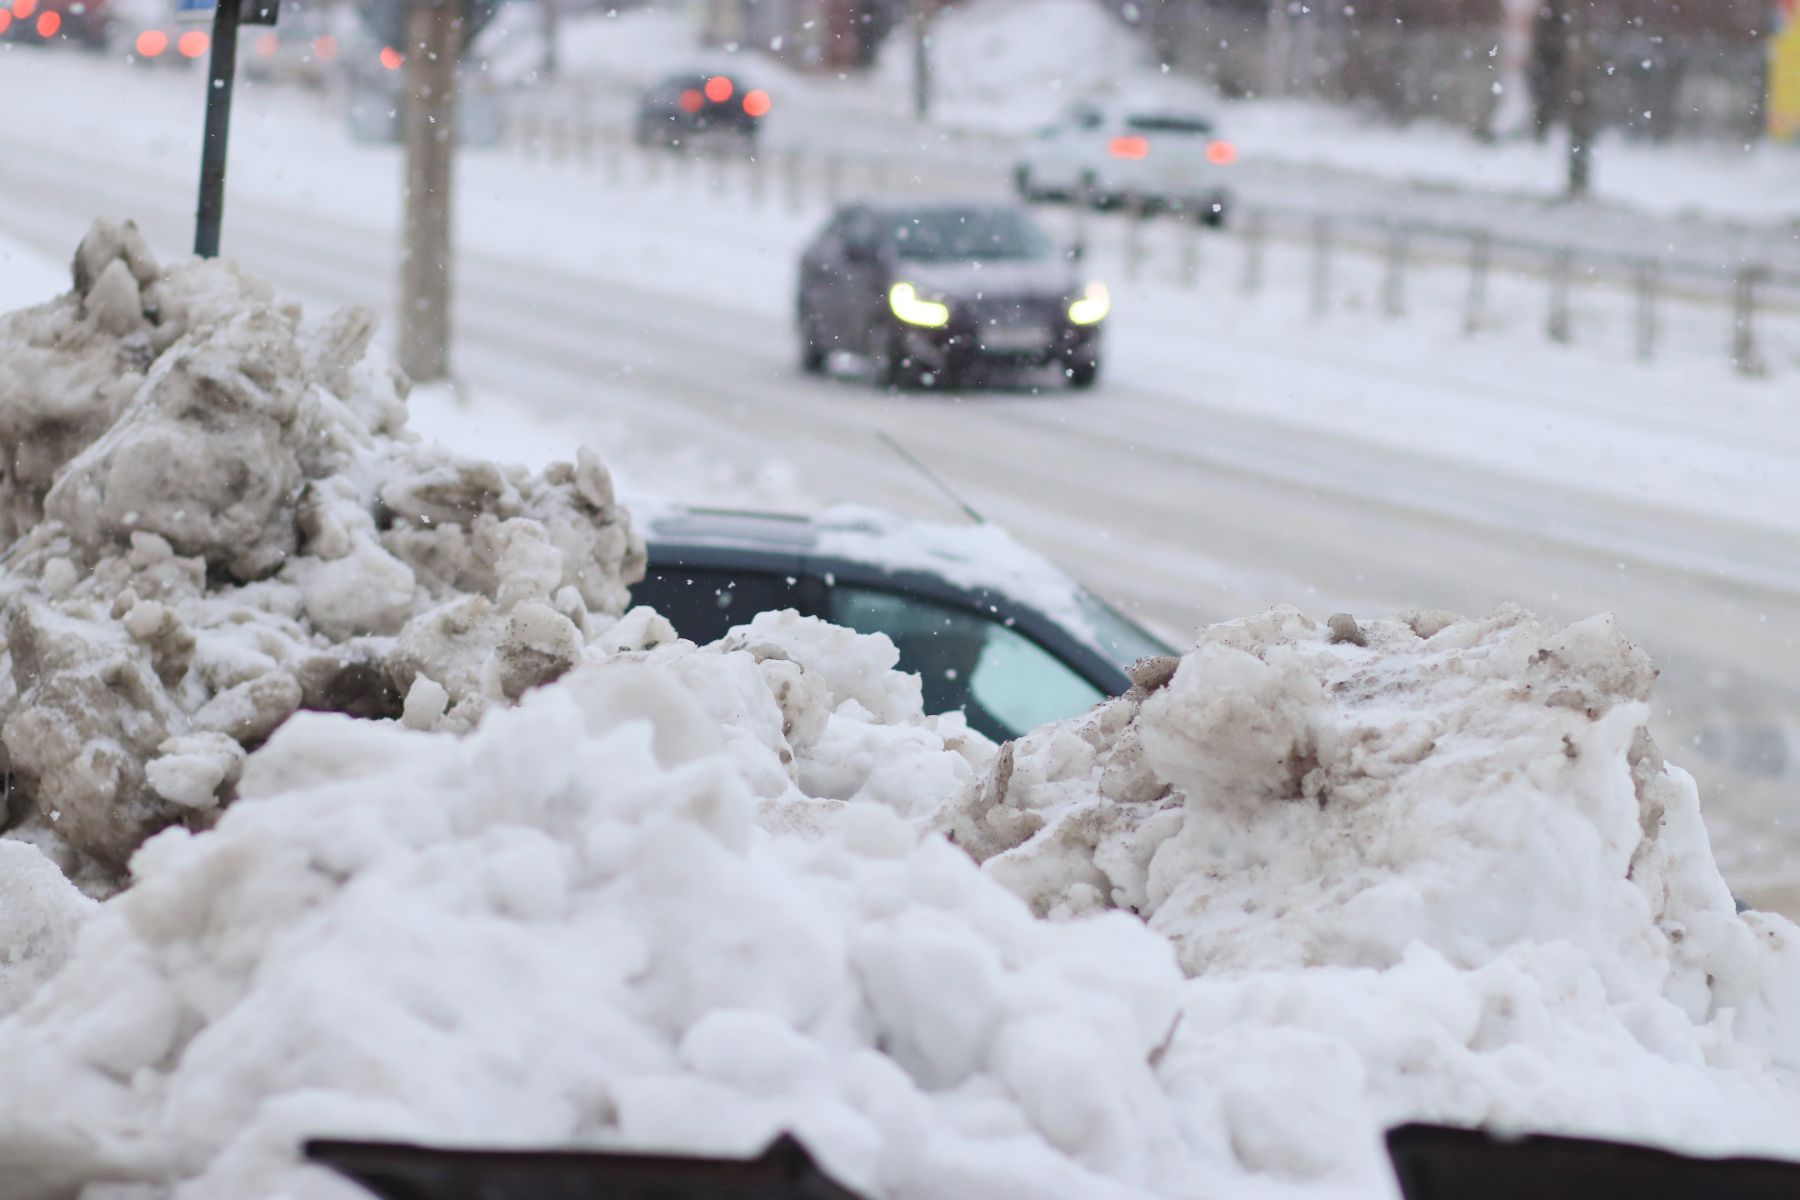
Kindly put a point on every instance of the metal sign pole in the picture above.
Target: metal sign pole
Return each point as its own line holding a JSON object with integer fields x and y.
{"x": 220, "y": 73}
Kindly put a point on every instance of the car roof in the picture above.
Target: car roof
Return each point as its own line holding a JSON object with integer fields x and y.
{"x": 884, "y": 206}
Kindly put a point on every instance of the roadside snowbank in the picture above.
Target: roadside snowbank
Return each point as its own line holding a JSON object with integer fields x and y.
{"x": 552, "y": 875}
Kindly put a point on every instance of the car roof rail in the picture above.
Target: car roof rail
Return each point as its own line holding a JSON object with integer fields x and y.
{"x": 785, "y": 1170}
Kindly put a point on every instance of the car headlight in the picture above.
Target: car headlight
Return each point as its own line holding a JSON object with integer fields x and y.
{"x": 903, "y": 299}
{"x": 1092, "y": 306}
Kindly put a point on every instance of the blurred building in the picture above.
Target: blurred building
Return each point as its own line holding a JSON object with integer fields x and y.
{"x": 1660, "y": 66}
{"x": 820, "y": 34}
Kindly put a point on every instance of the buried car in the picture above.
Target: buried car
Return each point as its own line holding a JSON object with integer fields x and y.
{"x": 931, "y": 292}
{"x": 991, "y": 629}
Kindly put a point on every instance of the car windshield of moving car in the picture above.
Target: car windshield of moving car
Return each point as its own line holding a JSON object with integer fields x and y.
{"x": 1162, "y": 123}
{"x": 958, "y": 235}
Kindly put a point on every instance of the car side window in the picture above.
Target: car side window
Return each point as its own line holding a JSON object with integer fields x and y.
{"x": 1005, "y": 683}
{"x": 703, "y": 603}
{"x": 859, "y": 236}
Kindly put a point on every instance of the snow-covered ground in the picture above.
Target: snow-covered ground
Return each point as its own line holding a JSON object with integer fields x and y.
{"x": 534, "y": 871}
{"x": 1006, "y": 67}
{"x": 1238, "y": 453}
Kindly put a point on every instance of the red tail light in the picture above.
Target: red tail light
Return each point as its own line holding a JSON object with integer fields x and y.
{"x": 691, "y": 100}
{"x": 266, "y": 45}
{"x": 391, "y": 58}
{"x": 48, "y": 23}
{"x": 1221, "y": 154}
{"x": 1130, "y": 146}
{"x": 22, "y": 9}
{"x": 756, "y": 103}
{"x": 5, "y": 18}
{"x": 151, "y": 43}
{"x": 193, "y": 43}
{"x": 325, "y": 47}
{"x": 719, "y": 89}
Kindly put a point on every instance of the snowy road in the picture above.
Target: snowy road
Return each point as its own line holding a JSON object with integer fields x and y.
{"x": 1233, "y": 457}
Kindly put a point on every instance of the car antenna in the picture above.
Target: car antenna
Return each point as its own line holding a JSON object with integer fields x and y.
{"x": 908, "y": 457}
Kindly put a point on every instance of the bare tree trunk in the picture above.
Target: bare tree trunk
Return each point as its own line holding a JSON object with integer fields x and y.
{"x": 549, "y": 68}
{"x": 1579, "y": 80}
{"x": 921, "y": 59}
{"x": 1547, "y": 68}
{"x": 428, "y": 117}
{"x": 1278, "y": 49}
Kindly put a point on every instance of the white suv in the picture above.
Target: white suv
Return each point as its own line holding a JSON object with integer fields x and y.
{"x": 1109, "y": 156}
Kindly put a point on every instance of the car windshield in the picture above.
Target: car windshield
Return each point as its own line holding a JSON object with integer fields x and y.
{"x": 964, "y": 234}
{"x": 1161, "y": 123}
{"x": 1123, "y": 640}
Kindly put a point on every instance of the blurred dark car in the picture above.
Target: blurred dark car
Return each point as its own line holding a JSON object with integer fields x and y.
{"x": 991, "y": 629}
{"x": 699, "y": 103}
{"x": 930, "y": 292}
{"x": 148, "y": 33}
{"x": 45, "y": 22}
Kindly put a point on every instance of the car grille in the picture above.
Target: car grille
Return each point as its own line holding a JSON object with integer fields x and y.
{"x": 1013, "y": 312}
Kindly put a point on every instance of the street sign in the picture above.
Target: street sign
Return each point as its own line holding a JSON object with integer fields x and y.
{"x": 251, "y": 12}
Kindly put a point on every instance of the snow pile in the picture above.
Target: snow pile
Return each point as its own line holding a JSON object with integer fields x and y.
{"x": 547, "y": 875}
{"x": 567, "y": 925}
{"x": 217, "y": 518}
{"x": 1439, "y": 858}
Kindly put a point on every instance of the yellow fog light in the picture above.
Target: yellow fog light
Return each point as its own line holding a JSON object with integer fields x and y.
{"x": 903, "y": 298}
{"x": 1093, "y": 306}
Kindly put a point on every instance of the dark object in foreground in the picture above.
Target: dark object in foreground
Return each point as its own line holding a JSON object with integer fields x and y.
{"x": 1435, "y": 1162}
{"x": 399, "y": 1171}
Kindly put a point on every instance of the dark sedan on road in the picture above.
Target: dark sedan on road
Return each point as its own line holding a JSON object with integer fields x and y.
{"x": 931, "y": 293}
{"x": 699, "y": 103}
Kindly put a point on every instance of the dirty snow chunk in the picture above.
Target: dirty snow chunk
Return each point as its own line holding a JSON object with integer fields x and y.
{"x": 854, "y": 667}
{"x": 191, "y": 769}
{"x": 213, "y": 515}
{"x": 1288, "y": 800}
{"x": 426, "y": 702}
{"x": 40, "y": 913}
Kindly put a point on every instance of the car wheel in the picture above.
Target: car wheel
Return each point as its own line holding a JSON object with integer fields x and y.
{"x": 1082, "y": 372}
{"x": 1087, "y": 191}
{"x": 812, "y": 348}
{"x": 887, "y": 361}
{"x": 1022, "y": 183}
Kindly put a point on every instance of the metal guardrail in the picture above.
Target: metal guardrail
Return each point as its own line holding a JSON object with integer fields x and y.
{"x": 1745, "y": 298}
